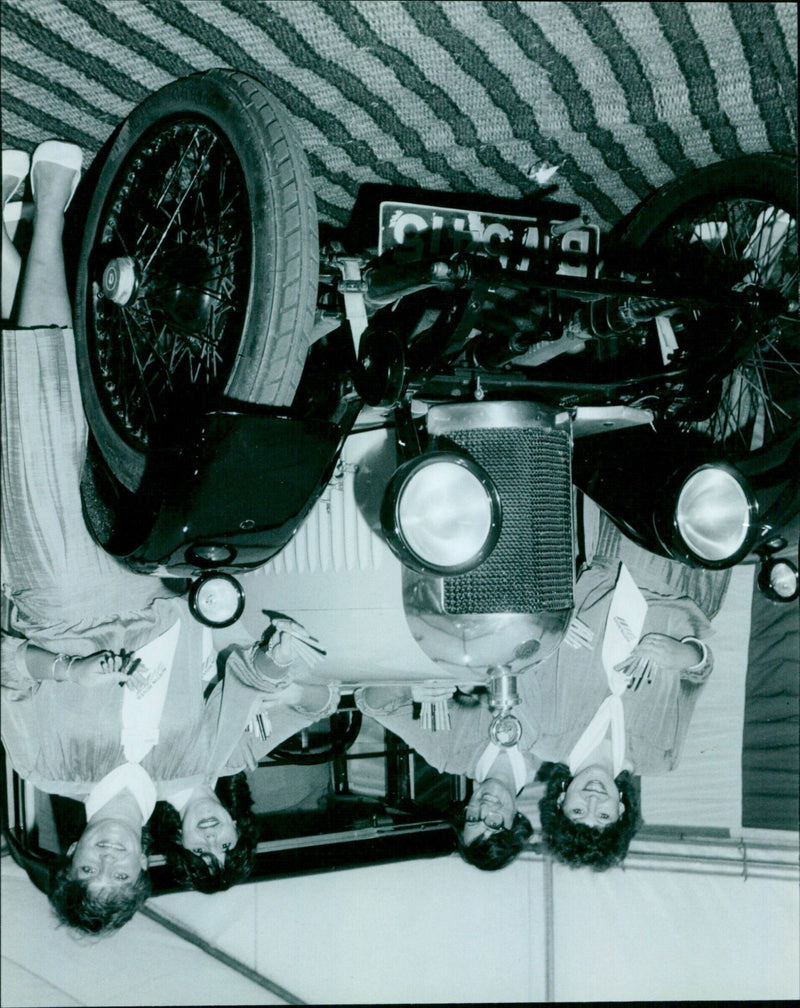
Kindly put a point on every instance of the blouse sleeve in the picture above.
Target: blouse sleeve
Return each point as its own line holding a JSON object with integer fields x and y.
{"x": 247, "y": 690}
{"x": 241, "y": 664}
{"x": 16, "y": 681}
{"x": 317, "y": 711}
{"x": 681, "y": 618}
{"x": 381, "y": 701}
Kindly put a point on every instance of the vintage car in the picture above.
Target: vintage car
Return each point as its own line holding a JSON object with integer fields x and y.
{"x": 397, "y": 430}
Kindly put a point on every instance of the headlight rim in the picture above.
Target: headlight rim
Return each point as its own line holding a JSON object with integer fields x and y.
{"x": 678, "y": 545}
{"x": 197, "y": 587}
{"x": 392, "y": 530}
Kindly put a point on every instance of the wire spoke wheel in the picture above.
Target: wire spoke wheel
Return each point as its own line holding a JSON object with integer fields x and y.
{"x": 735, "y": 226}
{"x": 759, "y": 397}
{"x": 170, "y": 280}
{"x": 197, "y": 279}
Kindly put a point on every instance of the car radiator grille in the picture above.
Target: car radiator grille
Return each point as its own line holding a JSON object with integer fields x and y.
{"x": 531, "y": 567}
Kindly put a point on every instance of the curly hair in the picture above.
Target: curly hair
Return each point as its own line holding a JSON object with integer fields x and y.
{"x": 577, "y": 844}
{"x": 498, "y": 848}
{"x": 99, "y": 915}
{"x": 206, "y": 873}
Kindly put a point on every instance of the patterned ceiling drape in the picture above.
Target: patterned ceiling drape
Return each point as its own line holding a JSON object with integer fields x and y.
{"x": 443, "y": 94}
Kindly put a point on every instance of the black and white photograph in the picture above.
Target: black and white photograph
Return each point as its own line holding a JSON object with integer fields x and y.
{"x": 400, "y": 456}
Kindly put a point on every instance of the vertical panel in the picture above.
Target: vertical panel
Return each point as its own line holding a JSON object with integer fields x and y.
{"x": 637, "y": 935}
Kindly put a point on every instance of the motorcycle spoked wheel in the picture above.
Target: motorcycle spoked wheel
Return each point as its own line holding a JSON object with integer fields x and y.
{"x": 743, "y": 212}
{"x": 199, "y": 264}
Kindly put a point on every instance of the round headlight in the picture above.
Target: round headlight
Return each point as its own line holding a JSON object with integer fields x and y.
{"x": 715, "y": 516}
{"x": 217, "y": 600}
{"x": 441, "y": 513}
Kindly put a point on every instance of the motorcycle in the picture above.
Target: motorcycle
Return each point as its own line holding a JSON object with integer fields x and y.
{"x": 493, "y": 357}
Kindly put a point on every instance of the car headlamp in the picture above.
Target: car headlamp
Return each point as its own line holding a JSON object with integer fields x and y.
{"x": 714, "y": 517}
{"x": 217, "y": 599}
{"x": 441, "y": 513}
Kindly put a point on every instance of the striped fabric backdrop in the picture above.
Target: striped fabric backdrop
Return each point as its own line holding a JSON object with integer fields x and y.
{"x": 443, "y": 94}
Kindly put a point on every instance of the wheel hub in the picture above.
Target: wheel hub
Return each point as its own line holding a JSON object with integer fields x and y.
{"x": 120, "y": 281}
{"x": 184, "y": 286}
{"x": 181, "y": 284}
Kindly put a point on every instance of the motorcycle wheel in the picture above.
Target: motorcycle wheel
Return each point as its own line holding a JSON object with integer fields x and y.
{"x": 744, "y": 212}
{"x": 198, "y": 269}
